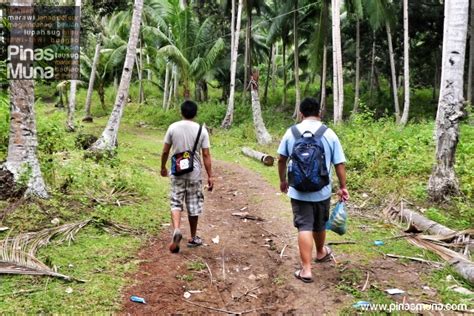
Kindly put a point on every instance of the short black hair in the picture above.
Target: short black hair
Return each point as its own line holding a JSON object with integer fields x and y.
{"x": 309, "y": 107}
{"x": 189, "y": 109}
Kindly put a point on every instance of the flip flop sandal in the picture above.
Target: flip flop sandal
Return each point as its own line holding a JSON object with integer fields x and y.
{"x": 304, "y": 279}
{"x": 327, "y": 257}
{"x": 174, "y": 246}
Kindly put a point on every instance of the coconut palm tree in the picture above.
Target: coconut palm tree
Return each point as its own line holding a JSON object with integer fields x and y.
{"x": 249, "y": 6}
{"x": 443, "y": 182}
{"x": 235, "y": 32}
{"x": 470, "y": 80}
{"x": 193, "y": 48}
{"x": 22, "y": 163}
{"x": 261, "y": 133}
{"x": 88, "y": 116}
{"x": 338, "y": 86}
{"x": 73, "y": 86}
{"x": 108, "y": 140}
{"x": 296, "y": 58}
{"x": 280, "y": 31}
{"x": 406, "y": 65}
{"x": 355, "y": 9}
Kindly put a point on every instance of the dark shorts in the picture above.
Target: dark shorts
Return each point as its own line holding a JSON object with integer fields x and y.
{"x": 310, "y": 216}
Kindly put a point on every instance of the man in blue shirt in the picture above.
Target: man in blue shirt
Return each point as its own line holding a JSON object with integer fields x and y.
{"x": 311, "y": 209}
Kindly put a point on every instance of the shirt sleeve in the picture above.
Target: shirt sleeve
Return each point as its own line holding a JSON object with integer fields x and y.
{"x": 338, "y": 153}
{"x": 283, "y": 148}
{"x": 205, "y": 143}
{"x": 168, "y": 136}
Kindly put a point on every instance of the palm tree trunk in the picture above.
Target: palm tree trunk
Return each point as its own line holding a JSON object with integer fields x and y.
{"x": 232, "y": 30}
{"x": 338, "y": 86}
{"x": 267, "y": 80}
{"x": 274, "y": 66}
{"x": 175, "y": 82}
{"x": 393, "y": 72}
{"x": 283, "y": 102}
{"x": 101, "y": 92}
{"x": 170, "y": 93}
{"x": 357, "y": 74}
{"x": 141, "y": 93}
{"x": 108, "y": 139}
{"x": 324, "y": 71}
{"x": 165, "y": 87}
{"x": 372, "y": 72}
{"x": 324, "y": 64}
{"x": 22, "y": 142}
{"x": 406, "y": 62}
{"x": 248, "y": 50}
{"x": 227, "y": 122}
{"x": 148, "y": 72}
{"x": 75, "y": 64}
{"x": 436, "y": 78}
{"x": 90, "y": 89}
{"x": 197, "y": 92}
{"x": 71, "y": 106}
{"x": 263, "y": 137}
{"x": 470, "y": 76}
{"x": 296, "y": 113}
{"x": 205, "y": 90}
{"x": 443, "y": 182}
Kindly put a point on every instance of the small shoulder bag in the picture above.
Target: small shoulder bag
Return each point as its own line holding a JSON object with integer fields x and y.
{"x": 183, "y": 162}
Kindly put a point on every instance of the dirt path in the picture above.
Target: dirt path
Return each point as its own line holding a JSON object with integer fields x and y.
{"x": 248, "y": 271}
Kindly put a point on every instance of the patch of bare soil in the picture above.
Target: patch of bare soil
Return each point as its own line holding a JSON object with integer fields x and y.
{"x": 251, "y": 269}
{"x": 8, "y": 187}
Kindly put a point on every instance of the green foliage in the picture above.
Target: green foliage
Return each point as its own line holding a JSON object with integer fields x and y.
{"x": 4, "y": 124}
{"x": 51, "y": 133}
{"x": 185, "y": 277}
{"x": 195, "y": 265}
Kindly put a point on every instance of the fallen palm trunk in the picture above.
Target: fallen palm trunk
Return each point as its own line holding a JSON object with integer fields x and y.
{"x": 267, "y": 160}
{"x": 440, "y": 240}
{"x": 422, "y": 223}
{"x": 439, "y": 233}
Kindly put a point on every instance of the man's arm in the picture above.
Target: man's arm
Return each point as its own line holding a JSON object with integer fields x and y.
{"x": 164, "y": 158}
{"x": 341, "y": 175}
{"x": 206, "y": 157}
{"x": 282, "y": 173}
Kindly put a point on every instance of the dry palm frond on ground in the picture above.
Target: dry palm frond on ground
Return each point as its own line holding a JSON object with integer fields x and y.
{"x": 18, "y": 254}
{"x": 114, "y": 196}
{"x": 452, "y": 246}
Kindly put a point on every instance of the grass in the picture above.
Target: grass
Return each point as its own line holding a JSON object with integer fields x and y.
{"x": 383, "y": 162}
{"x": 195, "y": 265}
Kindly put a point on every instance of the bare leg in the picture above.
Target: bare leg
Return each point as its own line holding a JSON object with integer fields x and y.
{"x": 319, "y": 239}
{"x": 176, "y": 218}
{"x": 305, "y": 243}
{"x": 176, "y": 221}
{"x": 193, "y": 223}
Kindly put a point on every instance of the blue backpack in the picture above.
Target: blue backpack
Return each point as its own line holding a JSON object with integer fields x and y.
{"x": 307, "y": 170}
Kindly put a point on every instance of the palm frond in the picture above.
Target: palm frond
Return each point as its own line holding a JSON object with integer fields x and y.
{"x": 175, "y": 55}
{"x": 376, "y": 13}
{"x": 18, "y": 254}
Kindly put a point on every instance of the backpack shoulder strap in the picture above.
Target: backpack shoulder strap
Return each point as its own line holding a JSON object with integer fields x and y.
{"x": 296, "y": 133}
{"x": 197, "y": 139}
{"x": 320, "y": 132}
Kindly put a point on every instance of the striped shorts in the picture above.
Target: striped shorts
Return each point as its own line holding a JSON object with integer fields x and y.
{"x": 188, "y": 192}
